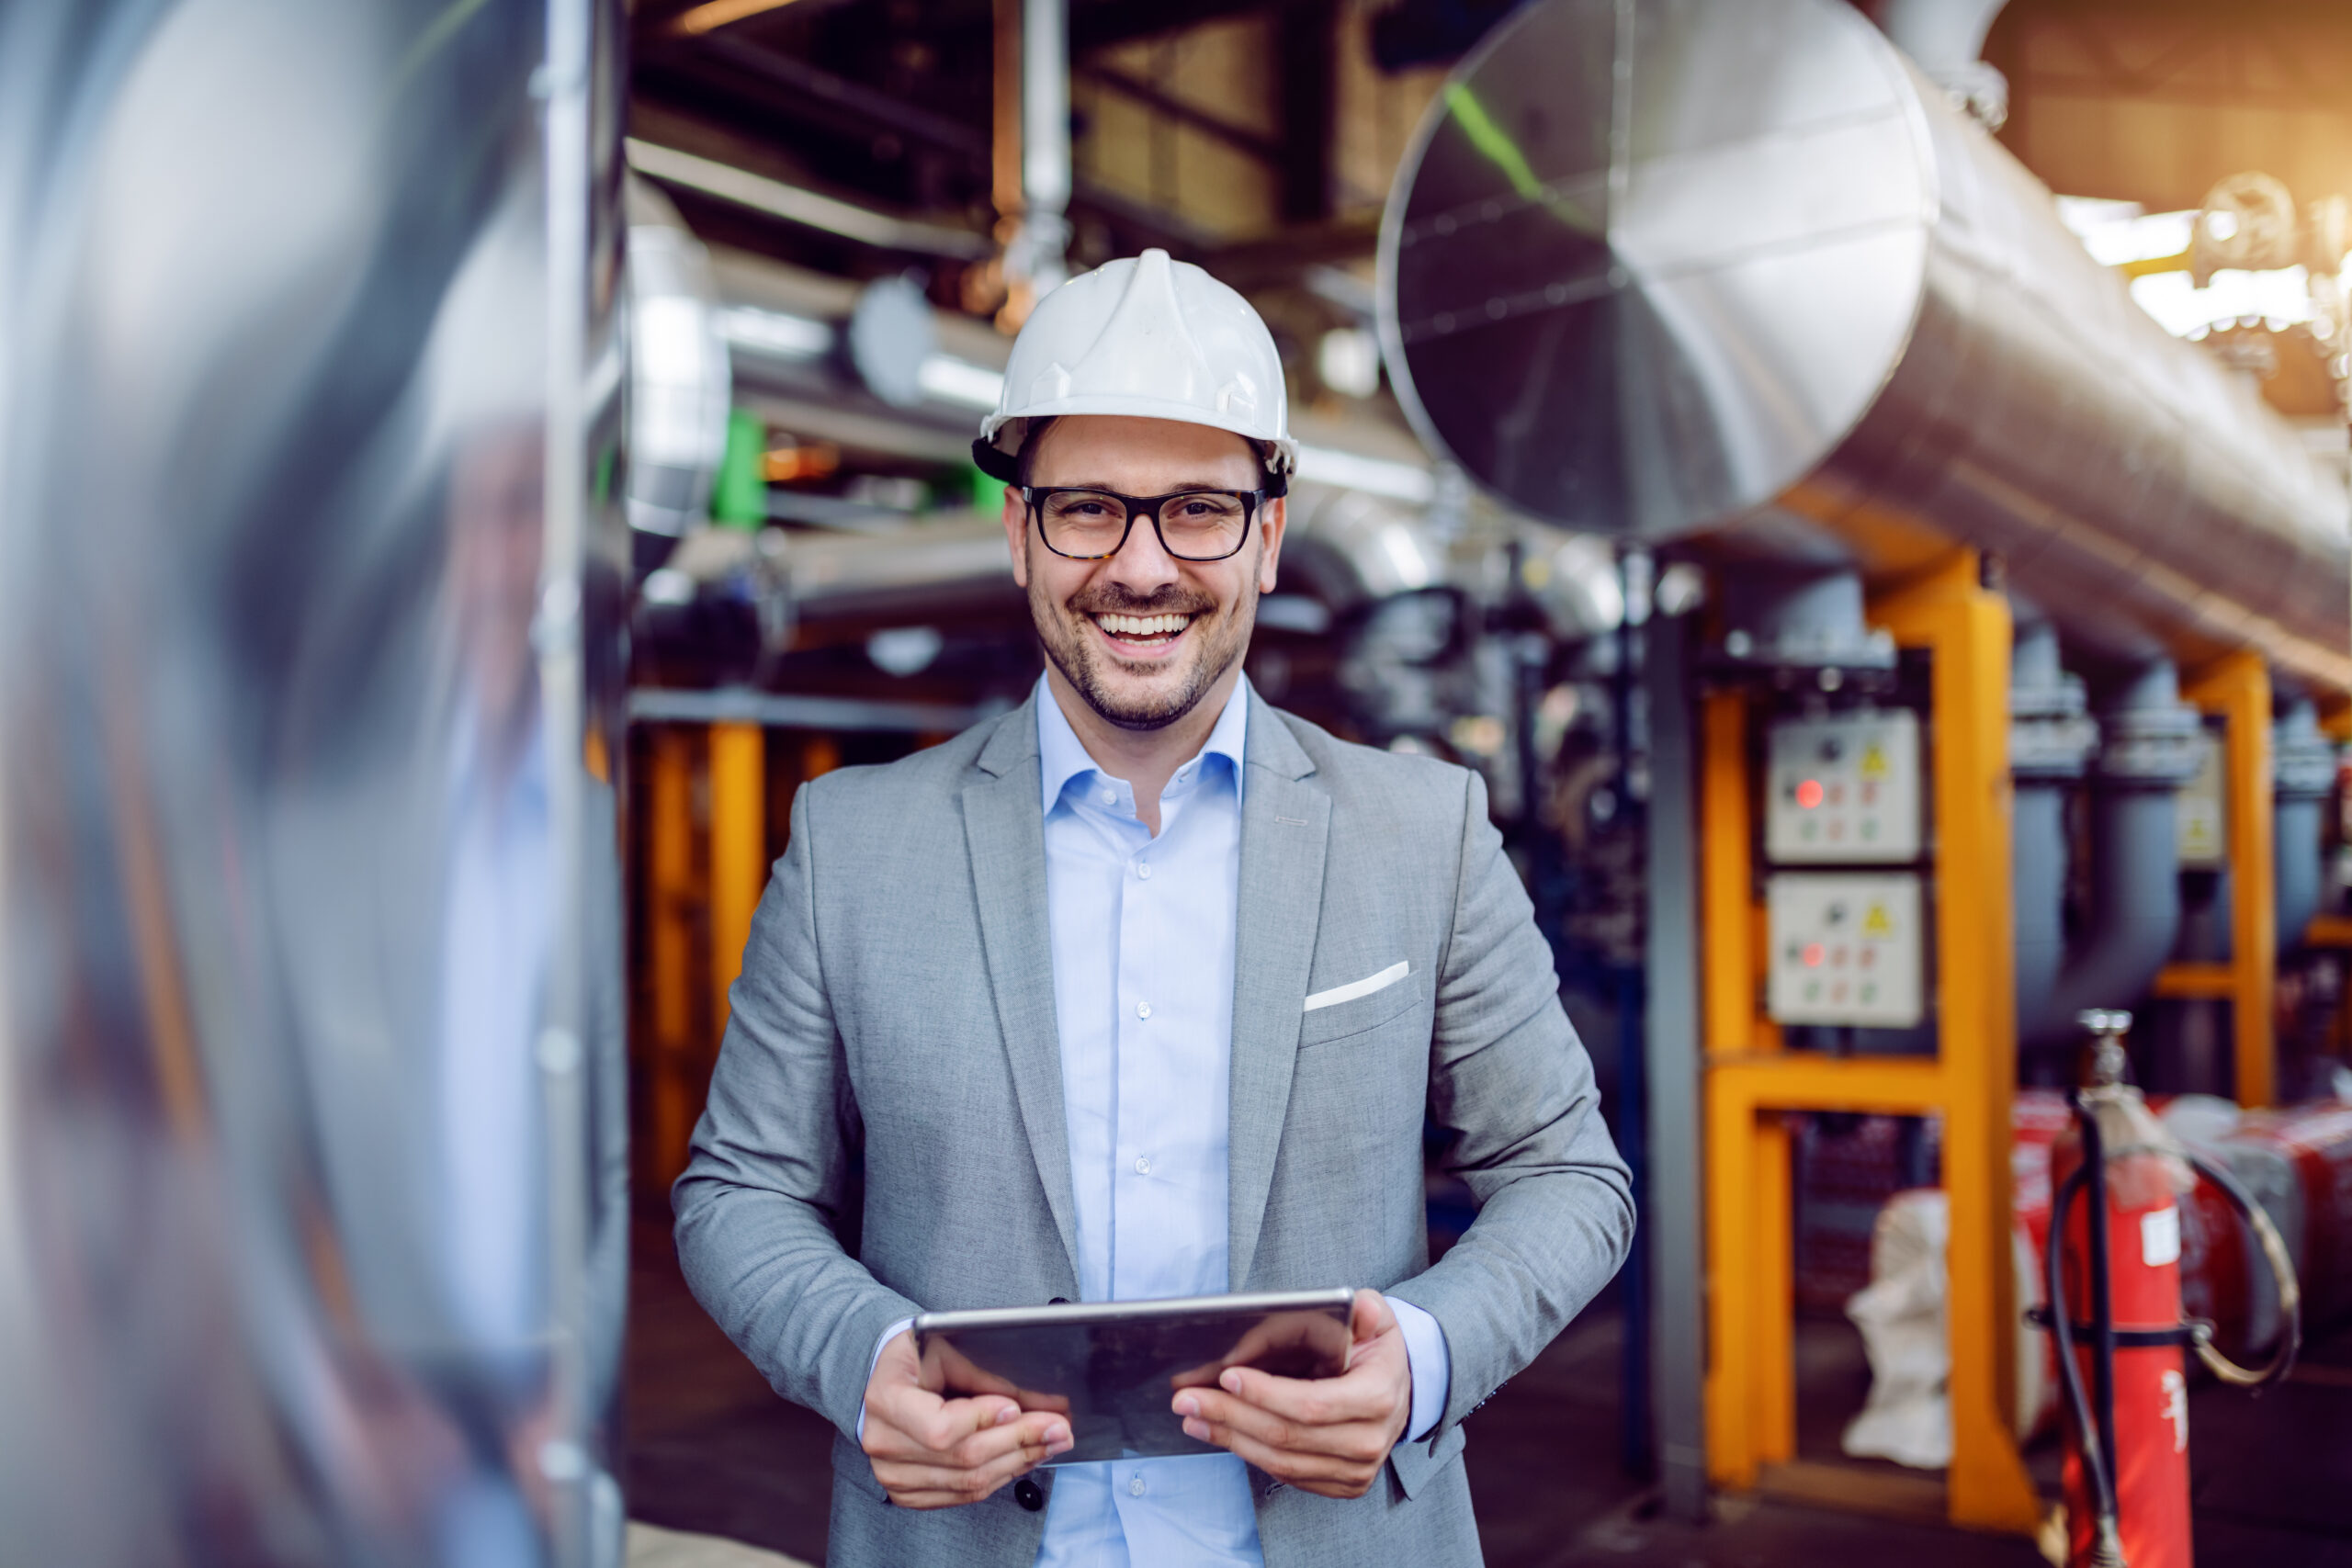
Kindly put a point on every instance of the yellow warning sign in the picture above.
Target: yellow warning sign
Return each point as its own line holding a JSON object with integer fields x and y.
{"x": 1873, "y": 761}
{"x": 1877, "y": 923}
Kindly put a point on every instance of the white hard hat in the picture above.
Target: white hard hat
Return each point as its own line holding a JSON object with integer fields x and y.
{"x": 1149, "y": 338}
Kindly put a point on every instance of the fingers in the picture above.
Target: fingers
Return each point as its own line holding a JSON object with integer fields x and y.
{"x": 1327, "y": 1476}
{"x": 1361, "y": 1442}
{"x": 952, "y": 1438}
{"x": 920, "y": 1486}
{"x": 1365, "y": 1392}
{"x": 909, "y": 1423}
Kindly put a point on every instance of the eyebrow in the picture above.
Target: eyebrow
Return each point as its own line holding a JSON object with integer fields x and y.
{"x": 1099, "y": 484}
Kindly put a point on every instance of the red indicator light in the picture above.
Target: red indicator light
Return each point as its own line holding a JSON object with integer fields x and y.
{"x": 1813, "y": 956}
{"x": 1809, "y": 794}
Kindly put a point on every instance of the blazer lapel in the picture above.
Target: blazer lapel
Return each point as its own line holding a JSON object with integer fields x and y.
{"x": 1286, "y": 822}
{"x": 1005, "y": 834}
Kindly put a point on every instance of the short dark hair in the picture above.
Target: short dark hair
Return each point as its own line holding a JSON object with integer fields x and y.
{"x": 1024, "y": 462}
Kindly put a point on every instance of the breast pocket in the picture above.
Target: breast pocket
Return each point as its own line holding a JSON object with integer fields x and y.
{"x": 1343, "y": 1011}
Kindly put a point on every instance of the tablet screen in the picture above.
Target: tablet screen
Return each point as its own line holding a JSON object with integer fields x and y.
{"x": 1112, "y": 1367}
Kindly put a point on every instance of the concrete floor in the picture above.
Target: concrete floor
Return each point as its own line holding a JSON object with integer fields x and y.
{"x": 713, "y": 1451}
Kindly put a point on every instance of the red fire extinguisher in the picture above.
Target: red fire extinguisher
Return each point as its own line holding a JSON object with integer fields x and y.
{"x": 2113, "y": 1262}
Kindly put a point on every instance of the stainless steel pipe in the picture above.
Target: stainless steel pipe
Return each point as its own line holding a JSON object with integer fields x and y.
{"x": 312, "y": 1201}
{"x": 1734, "y": 270}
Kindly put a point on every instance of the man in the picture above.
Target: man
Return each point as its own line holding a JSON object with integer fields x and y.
{"x": 1145, "y": 990}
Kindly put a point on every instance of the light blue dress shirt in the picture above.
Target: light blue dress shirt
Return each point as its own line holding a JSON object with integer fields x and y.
{"x": 1142, "y": 928}
{"x": 1143, "y": 945}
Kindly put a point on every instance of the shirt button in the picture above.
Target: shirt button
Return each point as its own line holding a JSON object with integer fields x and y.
{"x": 1143, "y": 869}
{"x": 1134, "y": 1487}
{"x": 1143, "y": 1009}
{"x": 1143, "y": 1165}
{"x": 1110, "y": 797}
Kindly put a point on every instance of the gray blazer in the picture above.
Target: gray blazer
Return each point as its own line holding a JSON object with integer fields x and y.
{"x": 897, "y": 998}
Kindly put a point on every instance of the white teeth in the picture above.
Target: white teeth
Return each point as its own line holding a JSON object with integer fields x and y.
{"x": 1143, "y": 625}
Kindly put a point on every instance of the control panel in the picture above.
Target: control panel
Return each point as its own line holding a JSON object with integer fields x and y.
{"x": 1843, "y": 789}
{"x": 2201, "y": 811}
{"x": 1845, "y": 948}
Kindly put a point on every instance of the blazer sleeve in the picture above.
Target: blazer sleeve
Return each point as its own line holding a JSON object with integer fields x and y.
{"x": 1509, "y": 1077}
{"x": 757, "y": 1205}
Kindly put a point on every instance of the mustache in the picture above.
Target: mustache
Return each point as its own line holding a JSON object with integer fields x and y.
{"x": 1110, "y": 598}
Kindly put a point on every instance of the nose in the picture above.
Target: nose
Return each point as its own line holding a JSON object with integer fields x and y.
{"x": 1142, "y": 566}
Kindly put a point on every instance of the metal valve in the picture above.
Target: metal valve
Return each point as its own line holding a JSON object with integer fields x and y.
{"x": 2107, "y": 1026}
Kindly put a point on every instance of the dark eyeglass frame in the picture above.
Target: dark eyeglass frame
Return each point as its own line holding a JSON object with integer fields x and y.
{"x": 1141, "y": 505}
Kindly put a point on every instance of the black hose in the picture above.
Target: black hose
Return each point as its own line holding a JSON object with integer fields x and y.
{"x": 2070, "y": 1376}
{"x": 2102, "y": 1290}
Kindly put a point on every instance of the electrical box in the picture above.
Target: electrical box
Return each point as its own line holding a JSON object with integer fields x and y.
{"x": 1843, "y": 789}
{"x": 1845, "y": 948}
{"x": 2202, "y": 813}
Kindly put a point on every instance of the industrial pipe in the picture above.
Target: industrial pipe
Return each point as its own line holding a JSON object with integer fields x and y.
{"x": 2303, "y": 778}
{"x": 1733, "y": 269}
{"x": 2149, "y": 748}
{"x": 2050, "y": 741}
{"x": 679, "y": 381}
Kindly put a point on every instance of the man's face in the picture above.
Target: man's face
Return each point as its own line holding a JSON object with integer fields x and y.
{"x": 1142, "y": 635}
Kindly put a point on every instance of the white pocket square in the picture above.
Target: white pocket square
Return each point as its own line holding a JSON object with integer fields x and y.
{"x": 1355, "y": 988}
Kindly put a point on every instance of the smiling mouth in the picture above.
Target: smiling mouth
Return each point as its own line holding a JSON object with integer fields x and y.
{"x": 1143, "y": 633}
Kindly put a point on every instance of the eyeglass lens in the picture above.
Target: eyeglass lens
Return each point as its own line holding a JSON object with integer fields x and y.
{"x": 1203, "y": 525}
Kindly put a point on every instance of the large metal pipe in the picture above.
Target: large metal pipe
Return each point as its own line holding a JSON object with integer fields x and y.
{"x": 1733, "y": 269}
{"x": 2148, "y": 751}
{"x": 313, "y": 1206}
{"x": 2050, "y": 741}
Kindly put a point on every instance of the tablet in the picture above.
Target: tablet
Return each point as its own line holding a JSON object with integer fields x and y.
{"x": 1113, "y": 1366}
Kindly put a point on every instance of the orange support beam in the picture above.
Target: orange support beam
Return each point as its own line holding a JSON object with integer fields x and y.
{"x": 2238, "y": 688}
{"x": 1965, "y": 628}
{"x": 739, "y": 859}
{"x": 671, "y": 900}
{"x": 1751, "y": 1393}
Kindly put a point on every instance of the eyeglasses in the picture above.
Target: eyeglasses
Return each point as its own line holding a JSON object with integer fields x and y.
{"x": 1093, "y": 525}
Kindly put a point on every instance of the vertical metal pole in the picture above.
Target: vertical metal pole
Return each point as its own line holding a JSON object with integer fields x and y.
{"x": 1670, "y": 1212}
{"x": 1045, "y": 142}
{"x": 739, "y": 863}
{"x": 579, "y": 1529}
{"x": 1635, "y": 1441}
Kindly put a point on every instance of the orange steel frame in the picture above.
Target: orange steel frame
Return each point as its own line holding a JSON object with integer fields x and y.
{"x": 1752, "y": 1081}
{"x": 2236, "y": 688}
{"x": 734, "y": 759}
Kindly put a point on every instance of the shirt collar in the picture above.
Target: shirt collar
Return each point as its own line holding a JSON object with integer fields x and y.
{"x": 1061, "y": 756}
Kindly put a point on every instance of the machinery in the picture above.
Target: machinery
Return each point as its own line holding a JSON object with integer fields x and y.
{"x": 1995, "y": 567}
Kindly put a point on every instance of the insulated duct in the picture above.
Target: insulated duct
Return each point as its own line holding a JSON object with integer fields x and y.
{"x": 1733, "y": 269}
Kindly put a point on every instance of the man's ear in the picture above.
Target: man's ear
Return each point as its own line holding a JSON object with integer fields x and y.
{"x": 1016, "y": 534}
{"x": 1270, "y": 541}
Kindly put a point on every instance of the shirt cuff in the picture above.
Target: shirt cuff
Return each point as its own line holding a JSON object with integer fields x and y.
{"x": 906, "y": 1323}
{"x": 1425, "y": 1353}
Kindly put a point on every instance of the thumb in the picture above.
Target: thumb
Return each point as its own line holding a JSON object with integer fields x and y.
{"x": 1370, "y": 1317}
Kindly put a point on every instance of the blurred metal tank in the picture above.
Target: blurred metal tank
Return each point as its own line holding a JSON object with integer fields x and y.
{"x": 1735, "y": 268}
{"x": 313, "y": 1207}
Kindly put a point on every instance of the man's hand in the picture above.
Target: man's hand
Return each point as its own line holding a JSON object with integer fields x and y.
{"x": 932, "y": 1451}
{"x": 1328, "y": 1436}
